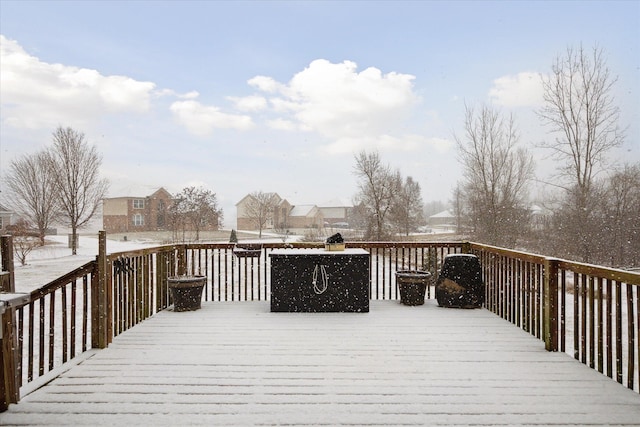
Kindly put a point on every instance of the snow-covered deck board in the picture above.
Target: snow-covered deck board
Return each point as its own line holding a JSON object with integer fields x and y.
{"x": 238, "y": 364}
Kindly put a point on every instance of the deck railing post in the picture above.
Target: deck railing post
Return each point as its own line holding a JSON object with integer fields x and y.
{"x": 550, "y": 305}
{"x": 7, "y": 284}
{"x": 182, "y": 260}
{"x": 162, "y": 273}
{"x": 9, "y": 390}
{"x": 100, "y": 312}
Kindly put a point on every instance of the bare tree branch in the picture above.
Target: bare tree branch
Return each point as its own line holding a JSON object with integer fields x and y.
{"x": 32, "y": 191}
{"x": 496, "y": 174}
{"x": 75, "y": 168}
{"x": 259, "y": 209}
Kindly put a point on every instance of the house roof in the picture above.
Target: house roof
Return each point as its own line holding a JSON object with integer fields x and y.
{"x": 302, "y": 210}
{"x": 443, "y": 214}
{"x": 280, "y": 199}
{"x": 131, "y": 191}
{"x": 336, "y": 203}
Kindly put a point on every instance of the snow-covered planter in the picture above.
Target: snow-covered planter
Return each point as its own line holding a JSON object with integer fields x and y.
{"x": 186, "y": 292}
{"x": 412, "y": 285}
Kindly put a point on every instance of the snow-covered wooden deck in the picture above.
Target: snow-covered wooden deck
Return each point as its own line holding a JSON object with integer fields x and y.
{"x": 238, "y": 364}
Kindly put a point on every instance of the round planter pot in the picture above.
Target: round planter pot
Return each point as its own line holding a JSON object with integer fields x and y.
{"x": 412, "y": 285}
{"x": 186, "y": 292}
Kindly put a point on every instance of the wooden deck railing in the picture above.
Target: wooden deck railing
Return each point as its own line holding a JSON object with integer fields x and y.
{"x": 551, "y": 299}
{"x": 589, "y": 311}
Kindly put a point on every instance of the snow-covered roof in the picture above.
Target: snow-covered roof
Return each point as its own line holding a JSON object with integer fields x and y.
{"x": 128, "y": 191}
{"x": 280, "y": 199}
{"x": 443, "y": 214}
{"x": 336, "y": 203}
{"x": 302, "y": 210}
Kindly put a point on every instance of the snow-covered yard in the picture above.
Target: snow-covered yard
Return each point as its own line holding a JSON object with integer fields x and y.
{"x": 51, "y": 261}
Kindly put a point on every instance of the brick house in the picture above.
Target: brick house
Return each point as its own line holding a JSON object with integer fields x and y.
{"x": 137, "y": 213}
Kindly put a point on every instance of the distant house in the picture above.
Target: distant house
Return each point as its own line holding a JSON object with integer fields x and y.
{"x": 277, "y": 217}
{"x": 6, "y": 217}
{"x": 442, "y": 220}
{"x": 280, "y": 218}
{"x": 336, "y": 211}
{"x": 306, "y": 216}
{"x": 128, "y": 214}
{"x": 540, "y": 217}
{"x": 284, "y": 215}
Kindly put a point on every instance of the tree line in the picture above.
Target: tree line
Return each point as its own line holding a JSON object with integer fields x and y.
{"x": 593, "y": 207}
{"x": 62, "y": 184}
{"x": 590, "y": 210}
{"x": 58, "y": 183}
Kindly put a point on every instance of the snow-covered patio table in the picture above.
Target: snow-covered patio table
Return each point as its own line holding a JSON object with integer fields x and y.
{"x": 237, "y": 363}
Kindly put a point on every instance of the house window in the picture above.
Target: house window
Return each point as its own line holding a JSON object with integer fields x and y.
{"x": 138, "y": 203}
{"x": 138, "y": 219}
{"x": 160, "y": 216}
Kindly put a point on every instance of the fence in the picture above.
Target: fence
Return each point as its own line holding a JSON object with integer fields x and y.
{"x": 551, "y": 299}
{"x": 589, "y": 311}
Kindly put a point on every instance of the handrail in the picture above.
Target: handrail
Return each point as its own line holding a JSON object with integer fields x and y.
{"x": 589, "y": 311}
{"x": 51, "y": 327}
{"x": 554, "y": 300}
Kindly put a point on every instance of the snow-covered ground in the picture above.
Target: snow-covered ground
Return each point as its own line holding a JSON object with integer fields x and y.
{"x": 51, "y": 261}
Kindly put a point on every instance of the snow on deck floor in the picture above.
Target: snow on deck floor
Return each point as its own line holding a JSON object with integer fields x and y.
{"x": 236, "y": 363}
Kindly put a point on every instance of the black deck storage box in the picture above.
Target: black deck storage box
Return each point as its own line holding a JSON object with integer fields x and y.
{"x": 316, "y": 280}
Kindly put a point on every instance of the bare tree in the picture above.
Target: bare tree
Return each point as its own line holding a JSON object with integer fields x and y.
{"x": 260, "y": 209}
{"x": 458, "y": 207}
{"x": 196, "y": 208}
{"x": 24, "y": 240}
{"x": 357, "y": 217}
{"x": 496, "y": 173}
{"x": 32, "y": 191}
{"x": 377, "y": 188}
{"x": 579, "y": 107}
{"x": 74, "y": 166}
{"x": 407, "y": 211}
{"x": 621, "y": 216}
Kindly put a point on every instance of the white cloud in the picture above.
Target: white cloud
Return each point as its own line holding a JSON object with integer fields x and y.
{"x": 339, "y": 102}
{"x": 522, "y": 90}
{"x": 202, "y": 119}
{"x": 282, "y": 124}
{"x": 37, "y": 94}
{"x": 172, "y": 93}
{"x": 265, "y": 84}
{"x": 388, "y": 143}
{"x": 249, "y": 103}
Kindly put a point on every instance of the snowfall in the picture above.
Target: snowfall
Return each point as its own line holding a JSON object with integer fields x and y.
{"x": 482, "y": 370}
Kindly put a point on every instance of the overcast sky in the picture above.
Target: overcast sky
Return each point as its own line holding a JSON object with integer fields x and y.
{"x": 279, "y": 96}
